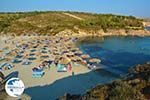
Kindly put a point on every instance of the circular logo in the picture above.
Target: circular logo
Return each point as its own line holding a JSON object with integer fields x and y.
{"x": 14, "y": 87}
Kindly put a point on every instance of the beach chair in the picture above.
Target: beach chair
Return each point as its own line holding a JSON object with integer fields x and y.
{"x": 16, "y": 61}
{"x": 6, "y": 66}
{"x": 2, "y": 58}
{"x": 61, "y": 68}
{"x": 37, "y": 73}
{"x": 26, "y": 63}
{"x": 75, "y": 64}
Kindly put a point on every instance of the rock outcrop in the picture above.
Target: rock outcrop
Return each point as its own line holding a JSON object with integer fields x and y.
{"x": 135, "y": 86}
{"x": 110, "y": 32}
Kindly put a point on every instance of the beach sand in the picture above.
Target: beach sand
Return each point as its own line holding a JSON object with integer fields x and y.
{"x": 51, "y": 75}
{"x": 25, "y": 71}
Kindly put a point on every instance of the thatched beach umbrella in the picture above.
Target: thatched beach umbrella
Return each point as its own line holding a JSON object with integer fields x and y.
{"x": 95, "y": 60}
{"x": 70, "y": 54}
{"x": 65, "y": 51}
{"x": 32, "y": 50}
{"x": 9, "y": 57}
{"x": 38, "y": 53}
{"x": 85, "y": 56}
{"x": 76, "y": 58}
{"x": 16, "y": 60}
{"x": 68, "y": 47}
{"x": 57, "y": 53}
{"x": 64, "y": 60}
{"x": 75, "y": 49}
{"x": 53, "y": 48}
{"x": 32, "y": 58}
{"x": 78, "y": 53}
{"x": 44, "y": 56}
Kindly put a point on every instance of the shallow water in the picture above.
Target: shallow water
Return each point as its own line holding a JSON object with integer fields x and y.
{"x": 117, "y": 55}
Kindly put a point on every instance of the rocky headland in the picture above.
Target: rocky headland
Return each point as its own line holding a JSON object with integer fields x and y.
{"x": 135, "y": 86}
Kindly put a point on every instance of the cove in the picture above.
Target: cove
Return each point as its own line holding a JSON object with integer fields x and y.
{"x": 117, "y": 54}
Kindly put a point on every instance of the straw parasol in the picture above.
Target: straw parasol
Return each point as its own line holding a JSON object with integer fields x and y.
{"x": 44, "y": 56}
{"x": 78, "y": 52}
{"x": 32, "y": 58}
{"x": 64, "y": 61}
{"x": 9, "y": 57}
{"x": 69, "y": 54}
{"x": 95, "y": 60}
{"x": 76, "y": 58}
{"x": 85, "y": 56}
{"x": 56, "y": 53}
{"x": 75, "y": 49}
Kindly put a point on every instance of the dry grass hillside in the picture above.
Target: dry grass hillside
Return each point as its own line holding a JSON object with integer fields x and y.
{"x": 53, "y": 22}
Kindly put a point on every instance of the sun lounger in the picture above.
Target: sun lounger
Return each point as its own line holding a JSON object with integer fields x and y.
{"x": 61, "y": 68}
{"x": 37, "y": 73}
{"x": 26, "y": 63}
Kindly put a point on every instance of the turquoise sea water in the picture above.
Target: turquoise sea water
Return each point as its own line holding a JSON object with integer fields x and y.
{"x": 118, "y": 54}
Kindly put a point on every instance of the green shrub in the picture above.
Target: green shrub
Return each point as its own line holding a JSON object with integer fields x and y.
{"x": 123, "y": 91}
{"x": 57, "y": 21}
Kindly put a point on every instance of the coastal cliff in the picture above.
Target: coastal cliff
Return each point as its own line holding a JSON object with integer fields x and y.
{"x": 101, "y": 33}
{"x": 135, "y": 86}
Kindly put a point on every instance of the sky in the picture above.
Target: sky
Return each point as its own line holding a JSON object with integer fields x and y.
{"x": 139, "y": 8}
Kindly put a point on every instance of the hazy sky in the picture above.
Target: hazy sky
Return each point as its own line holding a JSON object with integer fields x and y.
{"x": 140, "y": 8}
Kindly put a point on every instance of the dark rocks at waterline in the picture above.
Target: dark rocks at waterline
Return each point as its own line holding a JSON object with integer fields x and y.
{"x": 70, "y": 97}
{"x": 141, "y": 72}
{"x": 146, "y": 91}
{"x": 135, "y": 86}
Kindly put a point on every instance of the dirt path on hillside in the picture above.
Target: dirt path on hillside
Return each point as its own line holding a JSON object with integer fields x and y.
{"x": 73, "y": 16}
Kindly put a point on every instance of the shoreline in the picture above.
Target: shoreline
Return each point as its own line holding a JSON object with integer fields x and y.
{"x": 41, "y": 81}
{"x": 135, "y": 84}
{"x": 119, "y": 32}
{"x": 49, "y": 78}
{"x": 25, "y": 71}
{"x": 83, "y": 33}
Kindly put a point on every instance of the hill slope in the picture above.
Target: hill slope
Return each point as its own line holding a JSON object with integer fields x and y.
{"x": 54, "y": 22}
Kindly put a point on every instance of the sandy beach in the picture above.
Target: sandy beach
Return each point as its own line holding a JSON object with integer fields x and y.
{"x": 51, "y": 75}
{"x": 25, "y": 71}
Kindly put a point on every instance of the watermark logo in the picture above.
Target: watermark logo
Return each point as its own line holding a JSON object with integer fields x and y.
{"x": 14, "y": 87}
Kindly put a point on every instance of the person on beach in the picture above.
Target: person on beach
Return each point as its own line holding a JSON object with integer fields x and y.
{"x": 72, "y": 73}
{"x": 69, "y": 67}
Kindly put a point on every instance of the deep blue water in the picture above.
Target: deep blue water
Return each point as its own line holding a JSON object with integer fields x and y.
{"x": 117, "y": 55}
